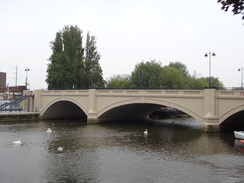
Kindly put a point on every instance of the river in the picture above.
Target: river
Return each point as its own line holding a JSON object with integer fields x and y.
{"x": 174, "y": 150}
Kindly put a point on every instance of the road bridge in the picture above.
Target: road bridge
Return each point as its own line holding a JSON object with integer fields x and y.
{"x": 213, "y": 108}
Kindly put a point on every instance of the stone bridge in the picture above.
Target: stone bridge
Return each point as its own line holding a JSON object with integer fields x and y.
{"x": 210, "y": 107}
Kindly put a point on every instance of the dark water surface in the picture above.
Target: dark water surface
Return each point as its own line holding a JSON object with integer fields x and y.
{"x": 175, "y": 150}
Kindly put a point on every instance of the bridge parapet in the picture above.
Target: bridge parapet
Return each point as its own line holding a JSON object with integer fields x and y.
{"x": 230, "y": 94}
{"x": 126, "y": 92}
{"x": 152, "y": 92}
{"x": 65, "y": 92}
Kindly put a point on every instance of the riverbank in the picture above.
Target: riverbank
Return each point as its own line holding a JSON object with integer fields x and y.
{"x": 18, "y": 116}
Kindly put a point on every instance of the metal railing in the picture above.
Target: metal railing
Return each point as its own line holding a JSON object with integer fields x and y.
{"x": 14, "y": 105}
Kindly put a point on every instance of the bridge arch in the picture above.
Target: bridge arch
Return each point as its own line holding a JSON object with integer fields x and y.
{"x": 232, "y": 118}
{"x": 64, "y": 108}
{"x": 231, "y": 113}
{"x": 179, "y": 107}
{"x": 152, "y": 105}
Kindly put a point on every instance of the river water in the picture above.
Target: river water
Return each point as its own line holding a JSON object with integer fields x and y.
{"x": 174, "y": 150}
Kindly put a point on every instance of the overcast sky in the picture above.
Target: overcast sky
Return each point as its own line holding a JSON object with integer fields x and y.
{"x": 127, "y": 32}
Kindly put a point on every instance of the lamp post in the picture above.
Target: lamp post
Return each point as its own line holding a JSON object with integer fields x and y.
{"x": 210, "y": 54}
{"x": 26, "y": 79}
{"x": 241, "y": 69}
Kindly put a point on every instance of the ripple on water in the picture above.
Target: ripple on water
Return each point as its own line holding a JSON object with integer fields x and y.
{"x": 171, "y": 152}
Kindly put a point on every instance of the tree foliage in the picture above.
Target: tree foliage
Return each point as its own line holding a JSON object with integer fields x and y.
{"x": 120, "y": 81}
{"x": 180, "y": 67}
{"x": 151, "y": 74}
{"x": 93, "y": 71}
{"x": 147, "y": 75}
{"x": 196, "y": 83}
{"x": 215, "y": 83}
{"x": 236, "y": 5}
{"x": 71, "y": 65}
{"x": 173, "y": 78}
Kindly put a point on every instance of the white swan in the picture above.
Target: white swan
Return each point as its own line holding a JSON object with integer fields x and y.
{"x": 60, "y": 149}
{"x": 17, "y": 142}
{"x": 145, "y": 132}
{"x": 49, "y": 130}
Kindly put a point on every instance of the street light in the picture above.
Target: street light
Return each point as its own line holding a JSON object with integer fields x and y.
{"x": 241, "y": 69}
{"x": 209, "y": 54}
{"x": 26, "y": 79}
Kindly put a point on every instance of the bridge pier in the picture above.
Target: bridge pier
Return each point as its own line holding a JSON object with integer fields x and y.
{"x": 210, "y": 128}
{"x": 91, "y": 120}
{"x": 210, "y": 123}
{"x": 210, "y": 119}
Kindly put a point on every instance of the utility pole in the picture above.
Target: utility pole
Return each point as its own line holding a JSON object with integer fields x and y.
{"x": 26, "y": 79}
{"x": 241, "y": 69}
{"x": 16, "y": 75}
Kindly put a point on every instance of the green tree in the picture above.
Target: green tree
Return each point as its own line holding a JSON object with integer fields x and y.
{"x": 93, "y": 71}
{"x": 197, "y": 83}
{"x": 147, "y": 75}
{"x": 181, "y": 67}
{"x": 120, "y": 81}
{"x": 173, "y": 78}
{"x": 185, "y": 74}
{"x": 60, "y": 73}
{"x": 70, "y": 66}
{"x": 215, "y": 83}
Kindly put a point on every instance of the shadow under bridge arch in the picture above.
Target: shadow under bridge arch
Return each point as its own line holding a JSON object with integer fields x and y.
{"x": 129, "y": 111}
{"x": 141, "y": 110}
{"x": 64, "y": 110}
{"x": 233, "y": 119}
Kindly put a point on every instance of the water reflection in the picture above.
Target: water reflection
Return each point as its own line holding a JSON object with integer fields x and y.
{"x": 173, "y": 150}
